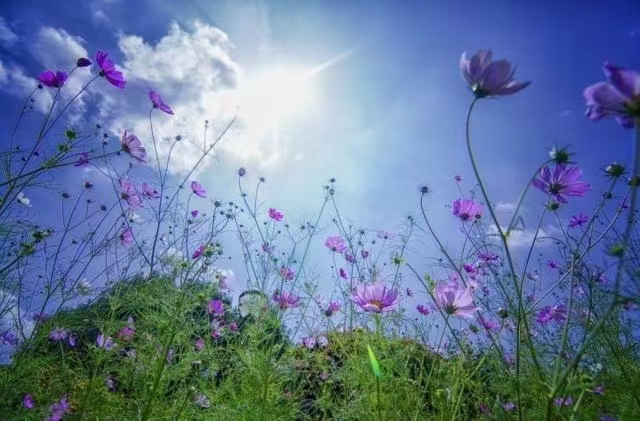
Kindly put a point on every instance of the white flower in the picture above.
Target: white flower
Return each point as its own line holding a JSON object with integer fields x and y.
{"x": 24, "y": 200}
{"x": 134, "y": 218}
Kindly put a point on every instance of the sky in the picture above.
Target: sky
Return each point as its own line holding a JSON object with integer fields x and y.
{"x": 381, "y": 104}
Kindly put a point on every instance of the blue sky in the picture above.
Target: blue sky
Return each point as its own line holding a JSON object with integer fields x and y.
{"x": 386, "y": 105}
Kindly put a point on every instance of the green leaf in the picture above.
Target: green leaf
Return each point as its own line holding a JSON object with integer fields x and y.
{"x": 375, "y": 366}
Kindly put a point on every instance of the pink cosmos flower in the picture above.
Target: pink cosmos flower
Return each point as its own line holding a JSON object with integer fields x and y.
{"x": 110, "y": 383}
{"x": 287, "y": 274}
{"x": 563, "y": 401}
{"x": 198, "y": 252}
{"x": 562, "y": 182}
{"x": 28, "y": 402}
{"x": 385, "y": 235}
{"x": 126, "y": 237}
{"x": 619, "y": 97}
{"x": 423, "y": 310}
{"x": 285, "y": 299}
{"x": 199, "y": 344}
{"x": 129, "y": 194}
{"x": 83, "y": 160}
{"x": 59, "y": 409}
{"x": 108, "y": 70}
{"x": 52, "y": 80}
{"x": 364, "y": 254}
{"x": 198, "y": 190}
{"x": 332, "y": 308}
{"x": 8, "y": 338}
{"x": 578, "y": 220}
{"x": 466, "y": 209}
{"x": 342, "y": 273}
{"x": 158, "y": 103}
{"x": 509, "y": 407}
{"x": 487, "y": 77}
{"x": 105, "y": 342}
{"x": 309, "y": 342}
{"x": 454, "y": 300}
{"x": 233, "y": 327}
{"x": 336, "y": 244}
{"x": 127, "y": 333}
{"x": 58, "y": 334}
{"x": 553, "y": 264}
{"x": 375, "y": 298}
{"x": 275, "y": 214}
{"x": 149, "y": 192}
{"x": 458, "y": 178}
{"x": 215, "y": 334}
{"x": 409, "y": 292}
{"x": 194, "y": 214}
{"x": 215, "y": 308}
{"x": 83, "y": 62}
{"x": 132, "y": 146}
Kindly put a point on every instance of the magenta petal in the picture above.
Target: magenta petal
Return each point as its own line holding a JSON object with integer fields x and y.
{"x": 626, "y": 81}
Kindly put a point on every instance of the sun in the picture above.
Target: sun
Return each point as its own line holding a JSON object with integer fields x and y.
{"x": 275, "y": 95}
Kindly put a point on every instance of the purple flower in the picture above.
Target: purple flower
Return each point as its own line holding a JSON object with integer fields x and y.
{"x": 127, "y": 333}
{"x": 487, "y": 257}
{"x": 487, "y": 77}
{"x": 8, "y": 338}
{"x": 385, "y": 235}
{"x": 126, "y": 237}
{"x": 149, "y": 192}
{"x": 336, "y": 244}
{"x": 619, "y": 97}
{"x": 170, "y": 354}
{"x": 58, "y": 334}
{"x": 233, "y": 327}
{"x": 332, "y": 308}
{"x": 562, "y": 182}
{"x": 83, "y": 160}
{"x": 422, "y": 309}
{"x": 108, "y": 70}
{"x": 286, "y": 273}
{"x": 553, "y": 264}
{"x": 466, "y": 209}
{"x": 215, "y": 308}
{"x": 563, "y": 401}
{"x": 198, "y": 190}
{"x": 608, "y": 418}
{"x": 215, "y": 334}
{"x": 309, "y": 342}
{"x": 458, "y": 178}
{"x": 578, "y": 220}
{"x": 199, "y": 251}
{"x": 509, "y": 407}
{"x": 285, "y": 299}
{"x": 598, "y": 390}
{"x": 52, "y": 80}
{"x": 158, "y": 103}
{"x": 59, "y": 409}
{"x": 110, "y": 383}
{"x": 133, "y": 147}
{"x": 105, "y": 342}
{"x": 202, "y": 401}
{"x": 489, "y": 324}
{"x": 454, "y": 300}
{"x": 71, "y": 340}
{"x": 364, "y": 254}
{"x": 342, "y": 273}
{"x": 194, "y": 214}
{"x": 28, "y": 402}
{"x": 129, "y": 194}
{"x": 199, "y": 344}
{"x": 83, "y": 62}
{"x": 548, "y": 313}
{"x": 375, "y": 298}
{"x": 275, "y": 214}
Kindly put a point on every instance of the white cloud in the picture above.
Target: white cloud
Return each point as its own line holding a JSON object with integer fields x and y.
{"x": 505, "y": 206}
{"x": 7, "y": 36}
{"x": 523, "y": 238}
{"x": 15, "y": 82}
{"x": 57, "y": 49}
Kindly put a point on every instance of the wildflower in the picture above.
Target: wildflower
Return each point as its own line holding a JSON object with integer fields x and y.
{"x": 578, "y": 220}
{"x": 309, "y": 342}
{"x": 619, "y": 97}
{"x": 342, "y": 273}
{"x": 170, "y": 354}
{"x": 286, "y": 273}
{"x": 83, "y": 160}
{"x": 409, "y": 292}
{"x": 198, "y": 190}
{"x": 59, "y": 409}
{"x": 149, "y": 192}
{"x": 614, "y": 170}
{"x": 486, "y": 77}
{"x": 58, "y": 334}
{"x": 559, "y": 156}
{"x": 132, "y": 146}
{"x": 509, "y": 407}
{"x": 454, "y": 300}
{"x": 105, "y": 342}
{"x": 233, "y": 327}
{"x": 332, "y": 308}
{"x": 199, "y": 344}
{"x": 71, "y": 340}
{"x": 83, "y": 62}
{"x": 23, "y": 200}
{"x": 553, "y": 264}
{"x": 285, "y": 299}
{"x": 562, "y": 182}
{"x": 598, "y": 390}
{"x": 110, "y": 383}
{"x": 129, "y": 194}
{"x": 322, "y": 341}
{"x": 28, "y": 402}
{"x": 202, "y": 401}
{"x": 158, "y": 103}
{"x": 323, "y": 376}
{"x": 275, "y": 214}
{"x": 563, "y": 401}
{"x": 127, "y": 333}
{"x": 194, "y": 214}
{"x": 375, "y": 298}
{"x": 489, "y": 324}
{"x": 8, "y": 338}
{"x": 466, "y": 209}
{"x": 548, "y": 313}
{"x": 52, "y": 80}
{"x": 423, "y": 310}
{"x": 199, "y": 251}
{"x": 483, "y": 408}
{"x": 385, "y": 235}
{"x": 335, "y": 244}
{"x": 108, "y": 70}
{"x": 242, "y": 172}
{"x": 215, "y": 334}
{"x": 126, "y": 237}
{"x": 487, "y": 257}
{"x": 215, "y": 308}
{"x": 364, "y": 254}
{"x": 458, "y": 178}
{"x": 349, "y": 257}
